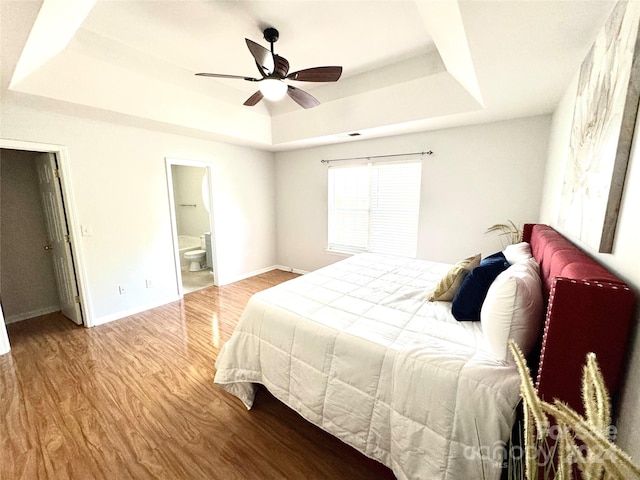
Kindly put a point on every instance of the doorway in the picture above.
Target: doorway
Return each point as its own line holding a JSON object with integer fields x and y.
{"x": 39, "y": 273}
{"x": 190, "y": 195}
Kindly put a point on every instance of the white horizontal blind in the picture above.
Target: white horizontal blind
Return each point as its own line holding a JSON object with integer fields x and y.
{"x": 375, "y": 208}
{"x": 349, "y": 208}
{"x": 395, "y": 202}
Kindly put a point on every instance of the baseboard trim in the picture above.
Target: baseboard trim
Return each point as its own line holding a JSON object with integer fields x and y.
{"x": 141, "y": 308}
{"x": 244, "y": 276}
{"x": 291, "y": 269}
{"x": 132, "y": 311}
{"x": 18, "y": 317}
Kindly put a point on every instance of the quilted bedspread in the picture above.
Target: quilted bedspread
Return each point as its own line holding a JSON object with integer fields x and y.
{"x": 357, "y": 350}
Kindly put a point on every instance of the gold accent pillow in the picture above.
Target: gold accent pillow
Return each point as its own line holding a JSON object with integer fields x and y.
{"x": 449, "y": 284}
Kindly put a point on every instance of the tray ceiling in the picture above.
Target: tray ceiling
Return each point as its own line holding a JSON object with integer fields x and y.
{"x": 408, "y": 65}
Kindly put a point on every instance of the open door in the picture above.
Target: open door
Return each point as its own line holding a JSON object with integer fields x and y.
{"x": 60, "y": 242}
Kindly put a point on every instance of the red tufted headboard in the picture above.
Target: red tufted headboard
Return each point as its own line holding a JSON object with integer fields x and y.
{"x": 589, "y": 310}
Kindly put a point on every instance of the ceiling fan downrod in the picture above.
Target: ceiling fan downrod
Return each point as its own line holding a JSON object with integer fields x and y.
{"x": 271, "y": 35}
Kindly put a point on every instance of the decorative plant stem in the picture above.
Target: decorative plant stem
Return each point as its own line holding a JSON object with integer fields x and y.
{"x": 509, "y": 231}
{"x": 603, "y": 459}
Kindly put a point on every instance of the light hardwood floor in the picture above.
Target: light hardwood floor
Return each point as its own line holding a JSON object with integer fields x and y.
{"x": 135, "y": 399}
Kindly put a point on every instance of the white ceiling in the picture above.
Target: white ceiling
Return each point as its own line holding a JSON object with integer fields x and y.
{"x": 408, "y": 65}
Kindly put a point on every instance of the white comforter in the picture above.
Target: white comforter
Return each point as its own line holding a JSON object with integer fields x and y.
{"x": 356, "y": 349}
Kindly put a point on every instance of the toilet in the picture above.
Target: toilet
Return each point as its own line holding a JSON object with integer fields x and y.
{"x": 196, "y": 259}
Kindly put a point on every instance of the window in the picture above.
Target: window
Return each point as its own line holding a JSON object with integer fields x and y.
{"x": 374, "y": 208}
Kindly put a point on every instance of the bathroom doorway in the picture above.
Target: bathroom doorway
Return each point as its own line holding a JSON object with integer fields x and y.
{"x": 190, "y": 196}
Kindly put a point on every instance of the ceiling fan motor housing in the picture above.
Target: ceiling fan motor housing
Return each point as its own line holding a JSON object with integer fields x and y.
{"x": 271, "y": 35}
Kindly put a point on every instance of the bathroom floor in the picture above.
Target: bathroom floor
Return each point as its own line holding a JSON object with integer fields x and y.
{"x": 192, "y": 281}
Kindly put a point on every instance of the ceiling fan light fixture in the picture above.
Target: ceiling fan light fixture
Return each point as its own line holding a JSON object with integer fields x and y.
{"x": 274, "y": 70}
{"x": 273, "y": 89}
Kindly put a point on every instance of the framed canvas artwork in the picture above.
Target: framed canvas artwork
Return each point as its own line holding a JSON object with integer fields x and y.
{"x": 603, "y": 124}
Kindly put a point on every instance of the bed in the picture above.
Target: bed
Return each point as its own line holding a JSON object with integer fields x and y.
{"x": 358, "y": 349}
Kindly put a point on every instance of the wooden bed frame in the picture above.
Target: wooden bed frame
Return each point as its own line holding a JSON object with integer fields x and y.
{"x": 589, "y": 309}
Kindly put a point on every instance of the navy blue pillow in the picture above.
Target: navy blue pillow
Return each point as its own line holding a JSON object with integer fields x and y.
{"x": 467, "y": 302}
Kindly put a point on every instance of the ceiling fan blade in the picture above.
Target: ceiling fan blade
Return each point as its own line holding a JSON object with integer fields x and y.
{"x": 302, "y": 98}
{"x": 222, "y": 75}
{"x": 253, "y": 99}
{"x": 317, "y": 74}
{"x": 281, "y": 66}
{"x": 262, "y": 56}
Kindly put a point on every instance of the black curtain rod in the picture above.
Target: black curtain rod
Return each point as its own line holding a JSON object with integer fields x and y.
{"x": 377, "y": 156}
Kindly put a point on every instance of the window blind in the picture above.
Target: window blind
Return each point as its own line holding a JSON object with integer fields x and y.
{"x": 374, "y": 208}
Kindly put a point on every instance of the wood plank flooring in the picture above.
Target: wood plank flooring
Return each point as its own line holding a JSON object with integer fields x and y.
{"x": 135, "y": 399}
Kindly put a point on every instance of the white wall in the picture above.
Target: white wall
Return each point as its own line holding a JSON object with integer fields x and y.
{"x": 119, "y": 184}
{"x": 27, "y": 282}
{"x": 624, "y": 259}
{"x": 478, "y": 176}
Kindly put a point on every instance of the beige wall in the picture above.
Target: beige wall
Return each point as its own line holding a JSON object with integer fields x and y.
{"x": 478, "y": 176}
{"x": 27, "y": 283}
{"x": 624, "y": 259}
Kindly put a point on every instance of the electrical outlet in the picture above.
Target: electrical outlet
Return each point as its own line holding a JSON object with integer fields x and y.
{"x": 150, "y": 283}
{"x": 122, "y": 289}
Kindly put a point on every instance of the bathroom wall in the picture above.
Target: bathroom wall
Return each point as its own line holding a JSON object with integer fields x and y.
{"x": 187, "y": 190}
{"x": 27, "y": 283}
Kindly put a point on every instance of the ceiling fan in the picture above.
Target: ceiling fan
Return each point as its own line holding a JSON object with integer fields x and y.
{"x": 275, "y": 69}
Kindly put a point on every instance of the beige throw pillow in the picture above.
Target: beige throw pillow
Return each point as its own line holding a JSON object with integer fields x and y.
{"x": 449, "y": 284}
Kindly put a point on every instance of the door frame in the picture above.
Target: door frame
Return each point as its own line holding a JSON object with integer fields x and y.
{"x": 169, "y": 162}
{"x": 4, "y": 337}
{"x": 62, "y": 158}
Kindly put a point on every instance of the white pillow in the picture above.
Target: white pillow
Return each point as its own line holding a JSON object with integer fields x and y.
{"x": 513, "y": 309}
{"x": 518, "y": 252}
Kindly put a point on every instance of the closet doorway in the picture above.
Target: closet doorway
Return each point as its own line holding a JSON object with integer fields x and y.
{"x": 191, "y": 209}
{"x": 38, "y": 259}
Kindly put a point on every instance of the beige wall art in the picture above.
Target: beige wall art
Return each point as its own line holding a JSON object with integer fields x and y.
{"x": 603, "y": 124}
